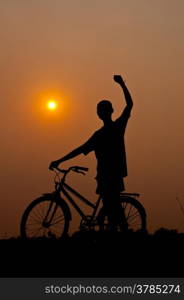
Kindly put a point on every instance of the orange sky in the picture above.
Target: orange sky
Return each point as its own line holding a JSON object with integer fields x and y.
{"x": 70, "y": 50}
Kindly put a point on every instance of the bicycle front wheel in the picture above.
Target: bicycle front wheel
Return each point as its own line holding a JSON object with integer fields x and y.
{"x": 45, "y": 218}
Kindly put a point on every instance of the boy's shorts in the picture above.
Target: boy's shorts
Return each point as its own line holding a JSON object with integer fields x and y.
{"x": 111, "y": 186}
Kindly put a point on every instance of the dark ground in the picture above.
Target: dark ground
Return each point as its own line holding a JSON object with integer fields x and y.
{"x": 97, "y": 254}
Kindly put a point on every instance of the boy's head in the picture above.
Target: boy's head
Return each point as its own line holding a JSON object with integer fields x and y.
{"x": 104, "y": 110}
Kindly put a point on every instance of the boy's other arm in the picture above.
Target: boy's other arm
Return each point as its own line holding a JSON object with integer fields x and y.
{"x": 72, "y": 154}
{"x": 85, "y": 149}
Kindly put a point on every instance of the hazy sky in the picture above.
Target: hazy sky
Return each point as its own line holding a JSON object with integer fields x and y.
{"x": 70, "y": 50}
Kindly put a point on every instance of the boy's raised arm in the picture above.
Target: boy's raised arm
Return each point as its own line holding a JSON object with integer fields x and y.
{"x": 128, "y": 98}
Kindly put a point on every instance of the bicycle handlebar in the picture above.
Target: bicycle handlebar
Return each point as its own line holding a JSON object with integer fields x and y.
{"x": 74, "y": 168}
{"x": 80, "y": 168}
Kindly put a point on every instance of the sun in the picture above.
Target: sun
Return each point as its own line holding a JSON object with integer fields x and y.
{"x": 52, "y": 105}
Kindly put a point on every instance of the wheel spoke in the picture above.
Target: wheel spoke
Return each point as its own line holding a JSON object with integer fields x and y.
{"x": 37, "y": 213}
{"x": 63, "y": 218}
{"x": 39, "y": 210}
{"x": 37, "y": 231}
{"x": 129, "y": 211}
{"x": 58, "y": 217}
{"x": 33, "y": 224}
{"x": 133, "y": 216}
{"x": 35, "y": 219}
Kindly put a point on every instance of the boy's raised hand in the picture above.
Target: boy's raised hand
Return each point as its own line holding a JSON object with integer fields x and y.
{"x": 118, "y": 79}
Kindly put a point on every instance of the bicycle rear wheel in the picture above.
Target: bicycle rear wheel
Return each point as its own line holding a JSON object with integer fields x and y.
{"x": 134, "y": 215}
{"x": 45, "y": 218}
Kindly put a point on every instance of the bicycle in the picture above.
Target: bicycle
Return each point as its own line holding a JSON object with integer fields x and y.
{"x": 50, "y": 216}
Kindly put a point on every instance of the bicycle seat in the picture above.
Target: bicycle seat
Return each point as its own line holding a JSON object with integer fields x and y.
{"x": 130, "y": 194}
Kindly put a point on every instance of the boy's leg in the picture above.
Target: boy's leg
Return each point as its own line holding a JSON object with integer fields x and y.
{"x": 111, "y": 202}
{"x": 110, "y": 194}
{"x": 114, "y": 210}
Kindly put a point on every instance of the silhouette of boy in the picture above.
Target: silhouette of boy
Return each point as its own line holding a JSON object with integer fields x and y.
{"x": 109, "y": 147}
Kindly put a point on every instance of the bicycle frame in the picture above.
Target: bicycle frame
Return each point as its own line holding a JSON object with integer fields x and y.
{"x": 64, "y": 187}
{"x": 49, "y": 217}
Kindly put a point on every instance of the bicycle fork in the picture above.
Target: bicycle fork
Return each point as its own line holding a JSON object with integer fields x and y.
{"x": 48, "y": 220}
